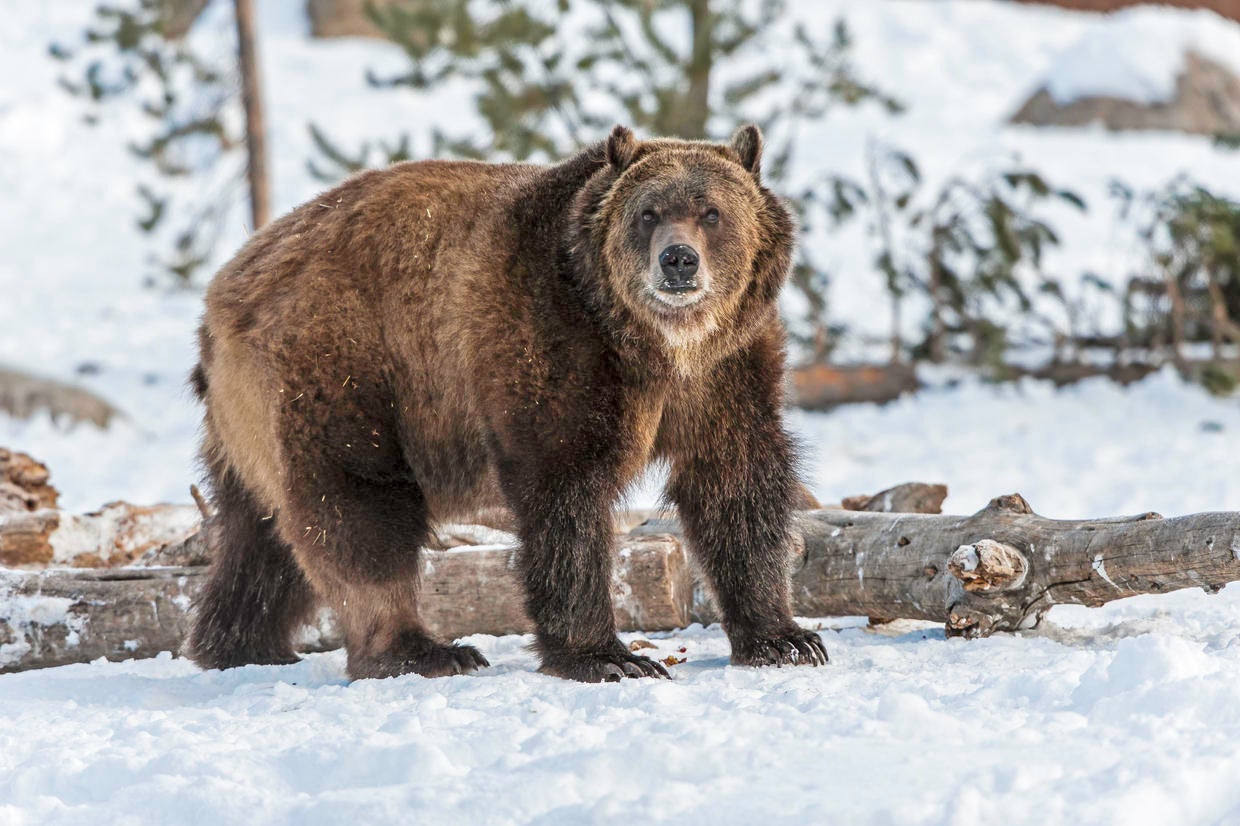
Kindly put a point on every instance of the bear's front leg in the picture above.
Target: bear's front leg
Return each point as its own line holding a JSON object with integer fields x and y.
{"x": 563, "y": 514}
{"x": 734, "y": 483}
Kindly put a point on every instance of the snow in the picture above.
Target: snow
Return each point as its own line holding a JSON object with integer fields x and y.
{"x": 1137, "y": 54}
{"x": 966, "y": 555}
{"x": 21, "y": 612}
{"x": 1124, "y": 714}
{"x": 1089, "y": 449}
{"x": 1129, "y": 717}
{"x": 1099, "y": 565}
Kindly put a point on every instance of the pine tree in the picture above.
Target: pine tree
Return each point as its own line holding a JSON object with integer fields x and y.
{"x": 553, "y": 78}
{"x": 136, "y": 52}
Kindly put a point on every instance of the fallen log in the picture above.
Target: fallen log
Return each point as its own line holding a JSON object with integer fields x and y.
{"x": 1000, "y": 569}
{"x": 24, "y": 484}
{"x": 23, "y": 395}
{"x": 1004, "y": 567}
{"x": 65, "y": 615}
{"x": 117, "y": 534}
{"x": 61, "y": 616}
{"x": 827, "y": 386}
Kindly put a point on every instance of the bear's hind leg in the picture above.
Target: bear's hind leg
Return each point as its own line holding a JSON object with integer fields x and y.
{"x": 359, "y": 540}
{"x": 255, "y": 595}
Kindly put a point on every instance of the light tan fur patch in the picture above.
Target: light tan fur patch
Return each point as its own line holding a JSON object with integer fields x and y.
{"x": 241, "y": 409}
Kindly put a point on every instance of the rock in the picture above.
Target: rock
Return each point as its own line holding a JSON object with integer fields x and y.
{"x": 1206, "y": 102}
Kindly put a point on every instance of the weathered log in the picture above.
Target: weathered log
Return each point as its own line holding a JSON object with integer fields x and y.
{"x": 999, "y": 569}
{"x": 65, "y": 615}
{"x": 115, "y": 535}
{"x": 1002, "y": 568}
{"x": 24, "y": 484}
{"x": 23, "y": 395}
{"x": 827, "y": 386}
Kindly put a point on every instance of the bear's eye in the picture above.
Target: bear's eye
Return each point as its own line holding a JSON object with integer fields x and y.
{"x": 711, "y": 216}
{"x": 648, "y": 217}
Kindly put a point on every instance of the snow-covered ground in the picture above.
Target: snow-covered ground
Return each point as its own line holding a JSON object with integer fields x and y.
{"x": 1126, "y": 714}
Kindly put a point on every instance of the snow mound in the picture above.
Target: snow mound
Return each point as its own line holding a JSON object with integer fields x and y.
{"x": 1137, "y": 54}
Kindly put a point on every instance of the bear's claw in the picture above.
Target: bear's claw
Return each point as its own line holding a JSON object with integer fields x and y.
{"x": 609, "y": 666}
{"x": 793, "y": 647}
{"x": 449, "y": 660}
{"x": 425, "y": 658}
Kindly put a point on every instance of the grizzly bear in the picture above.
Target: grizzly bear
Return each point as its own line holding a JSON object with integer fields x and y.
{"x": 437, "y": 337}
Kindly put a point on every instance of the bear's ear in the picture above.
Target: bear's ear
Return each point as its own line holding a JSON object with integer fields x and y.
{"x": 747, "y": 144}
{"x": 621, "y": 147}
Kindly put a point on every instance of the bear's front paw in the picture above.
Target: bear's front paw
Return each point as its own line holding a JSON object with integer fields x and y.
{"x": 610, "y": 666}
{"x": 795, "y": 646}
{"x": 418, "y": 655}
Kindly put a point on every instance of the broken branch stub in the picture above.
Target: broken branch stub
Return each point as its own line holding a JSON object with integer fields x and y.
{"x": 987, "y": 565}
{"x": 1002, "y": 568}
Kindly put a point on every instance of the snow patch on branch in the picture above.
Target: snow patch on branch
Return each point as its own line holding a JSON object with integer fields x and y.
{"x": 1101, "y": 569}
{"x": 26, "y": 616}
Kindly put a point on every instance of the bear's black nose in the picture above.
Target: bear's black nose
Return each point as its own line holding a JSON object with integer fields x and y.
{"x": 680, "y": 264}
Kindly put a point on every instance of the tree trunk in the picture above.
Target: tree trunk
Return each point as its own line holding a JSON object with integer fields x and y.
{"x": 1177, "y": 320}
{"x": 694, "y": 110}
{"x": 252, "y": 100}
{"x": 180, "y": 16}
{"x": 938, "y": 325}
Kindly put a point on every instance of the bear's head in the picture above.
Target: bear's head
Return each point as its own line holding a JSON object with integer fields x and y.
{"x": 684, "y": 235}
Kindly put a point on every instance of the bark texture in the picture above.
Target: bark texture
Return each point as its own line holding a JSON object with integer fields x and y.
{"x": 117, "y": 534}
{"x": 1002, "y": 568}
{"x": 24, "y": 484}
{"x": 999, "y": 569}
{"x": 63, "y": 615}
{"x": 252, "y": 103}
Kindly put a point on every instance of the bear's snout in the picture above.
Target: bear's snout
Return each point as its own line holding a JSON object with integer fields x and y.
{"x": 679, "y": 263}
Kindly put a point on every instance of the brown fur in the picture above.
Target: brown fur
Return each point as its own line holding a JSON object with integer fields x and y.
{"x": 439, "y": 337}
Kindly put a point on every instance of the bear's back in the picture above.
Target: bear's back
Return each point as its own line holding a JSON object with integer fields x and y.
{"x": 373, "y": 227}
